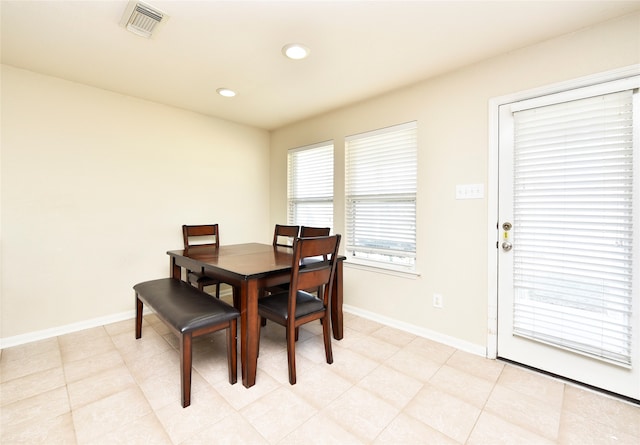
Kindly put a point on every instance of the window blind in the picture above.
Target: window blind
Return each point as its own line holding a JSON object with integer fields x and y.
{"x": 310, "y": 185}
{"x": 573, "y": 225}
{"x": 380, "y": 187}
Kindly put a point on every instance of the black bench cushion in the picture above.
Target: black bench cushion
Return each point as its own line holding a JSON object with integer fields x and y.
{"x": 182, "y": 305}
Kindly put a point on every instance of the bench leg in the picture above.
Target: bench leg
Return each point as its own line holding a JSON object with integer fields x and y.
{"x": 232, "y": 350}
{"x": 185, "y": 368}
{"x": 138, "y": 317}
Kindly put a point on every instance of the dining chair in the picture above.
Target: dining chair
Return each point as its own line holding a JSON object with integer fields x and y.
{"x": 306, "y": 232}
{"x": 201, "y": 235}
{"x": 289, "y": 233}
{"x": 296, "y": 306}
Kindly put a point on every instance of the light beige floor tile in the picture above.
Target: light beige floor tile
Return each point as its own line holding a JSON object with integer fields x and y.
{"x": 620, "y": 415}
{"x": 207, "y": 408}
{"x": 48, "y": 431}
{"x": 100, "y": 385}
{"x": 319, "y": 385}
{"x": 350, "y": 338}
{"x": 534, "y": 384}
{"x": 91, "y": 366}
{"x": 148, "y": 345}
{"x": 467, "y": 387}
{"x": 24, "y": 363}
{"x": 491, "y": 430}
{"x": 414, "y": 365}
{"x": 159, "y": 326}
{"x": 363, "y": 325}
{"x": 29, "y": 350}
{"x": 120, "y": 327}
{"x": 361, "y": 413}
{"x": 406, "y": 430}
{"x": 351, "y": 365}
{"x": 214, "y": 367}
{"x": 282, "y": 404}
{"x": 475, "y": 365}
{"x": 443, "y": 412}
{"x": 393, "y": 336}
{"x": 321, "y": 430}
{"x": 162, "y": 389}
{"x": 232, "y": 430}
{"x": 31, "y": 385}
{"x": 143, "y": 430}
{"x": 375, "y": 349}
{"x": 96, "y": 419}
{"x": 391, "y": 385}
{"x": 82, "y": 344}
{"x": 84, "y": 350}
{"x": 35, "y": 409}
{"x": 277, "y": 366}
{"x": 239, "y": 397}
{"x": 578, "y": 430}
{"x": 313, "y": 349}
{"x": 525, "y": 411}
{"x": 429, "y": 349}
{"x": 142, "y": 368}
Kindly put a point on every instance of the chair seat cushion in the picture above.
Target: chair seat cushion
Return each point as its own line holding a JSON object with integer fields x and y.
{"x": 183, "y": 306}
{"x": 276, "y": 305}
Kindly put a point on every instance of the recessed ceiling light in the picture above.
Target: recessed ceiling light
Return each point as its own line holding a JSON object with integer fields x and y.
{"x": 226, "y": 92}
{"x": 295, "y": 51}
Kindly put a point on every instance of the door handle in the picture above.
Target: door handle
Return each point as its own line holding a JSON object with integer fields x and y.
{"x": 507, "y": 246}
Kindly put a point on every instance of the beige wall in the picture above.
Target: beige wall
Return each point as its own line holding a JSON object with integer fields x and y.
{"x": 95, "y": 187}
{"x": 452, "y": 115}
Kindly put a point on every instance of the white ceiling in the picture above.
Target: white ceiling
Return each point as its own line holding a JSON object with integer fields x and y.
{"x": 359, "y": 49}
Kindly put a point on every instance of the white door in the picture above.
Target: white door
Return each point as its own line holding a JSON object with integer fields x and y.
{"x": 568, "y": 248}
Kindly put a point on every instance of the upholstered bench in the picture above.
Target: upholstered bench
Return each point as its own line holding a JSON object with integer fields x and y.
{"x": 189, "y": 313}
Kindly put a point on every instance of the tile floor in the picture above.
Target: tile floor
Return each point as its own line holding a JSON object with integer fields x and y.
{"x": 101, "y": 386}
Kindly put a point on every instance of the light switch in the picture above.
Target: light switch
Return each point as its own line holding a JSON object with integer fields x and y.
{"x": 469, "y": 191}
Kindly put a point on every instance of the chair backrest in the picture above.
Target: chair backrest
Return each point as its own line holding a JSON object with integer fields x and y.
{"x": 314, "y": 265}
{"x": 201, "y": 235}
{"x": 307, "y": 232}
{"x": 289, "y": 233}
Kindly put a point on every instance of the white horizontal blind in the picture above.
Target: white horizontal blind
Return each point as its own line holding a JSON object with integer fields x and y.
{"x": 573, "y": 225}
{"x": 310, "y": 185}
{"x": 381, "y": 182}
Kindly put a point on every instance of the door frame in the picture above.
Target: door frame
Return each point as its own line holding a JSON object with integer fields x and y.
{"x": 493, "y": 186}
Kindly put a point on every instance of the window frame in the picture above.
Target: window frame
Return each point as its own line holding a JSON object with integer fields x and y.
{"x": 398, "y": 147}
{"x": 294, "y": 200}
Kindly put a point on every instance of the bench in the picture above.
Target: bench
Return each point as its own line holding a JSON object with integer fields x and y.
{"x": 189, "y": 313}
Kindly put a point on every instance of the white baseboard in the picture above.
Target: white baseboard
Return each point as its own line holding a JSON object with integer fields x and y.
{"x": 421, "y": 332}
{"x": 66, "y": 329}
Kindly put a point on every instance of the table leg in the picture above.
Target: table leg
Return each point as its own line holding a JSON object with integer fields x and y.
{"x": 174, "y": 269}
{"x": 249, "y": 331}
{"x": 336, "y": 303}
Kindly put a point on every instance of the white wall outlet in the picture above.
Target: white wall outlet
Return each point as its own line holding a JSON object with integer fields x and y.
{"x": 437, "y": 300}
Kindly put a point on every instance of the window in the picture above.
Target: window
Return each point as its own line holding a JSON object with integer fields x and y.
{"x": 381, "y": 170}
{"x": 310, "y": 185}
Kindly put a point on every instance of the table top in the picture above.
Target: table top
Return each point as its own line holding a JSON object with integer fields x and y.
{"x": 248, "y": 260}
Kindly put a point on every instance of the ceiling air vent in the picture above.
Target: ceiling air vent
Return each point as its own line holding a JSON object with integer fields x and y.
{"x": 142, "y": 19}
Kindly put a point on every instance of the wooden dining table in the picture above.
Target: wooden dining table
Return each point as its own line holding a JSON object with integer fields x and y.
{"x": 248, "y": 268}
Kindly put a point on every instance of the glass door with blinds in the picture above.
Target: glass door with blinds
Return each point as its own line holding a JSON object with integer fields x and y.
{"x": 568, "y": 262}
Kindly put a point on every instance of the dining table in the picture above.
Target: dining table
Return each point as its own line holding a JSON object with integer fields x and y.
{"x": 249, "y": 268}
